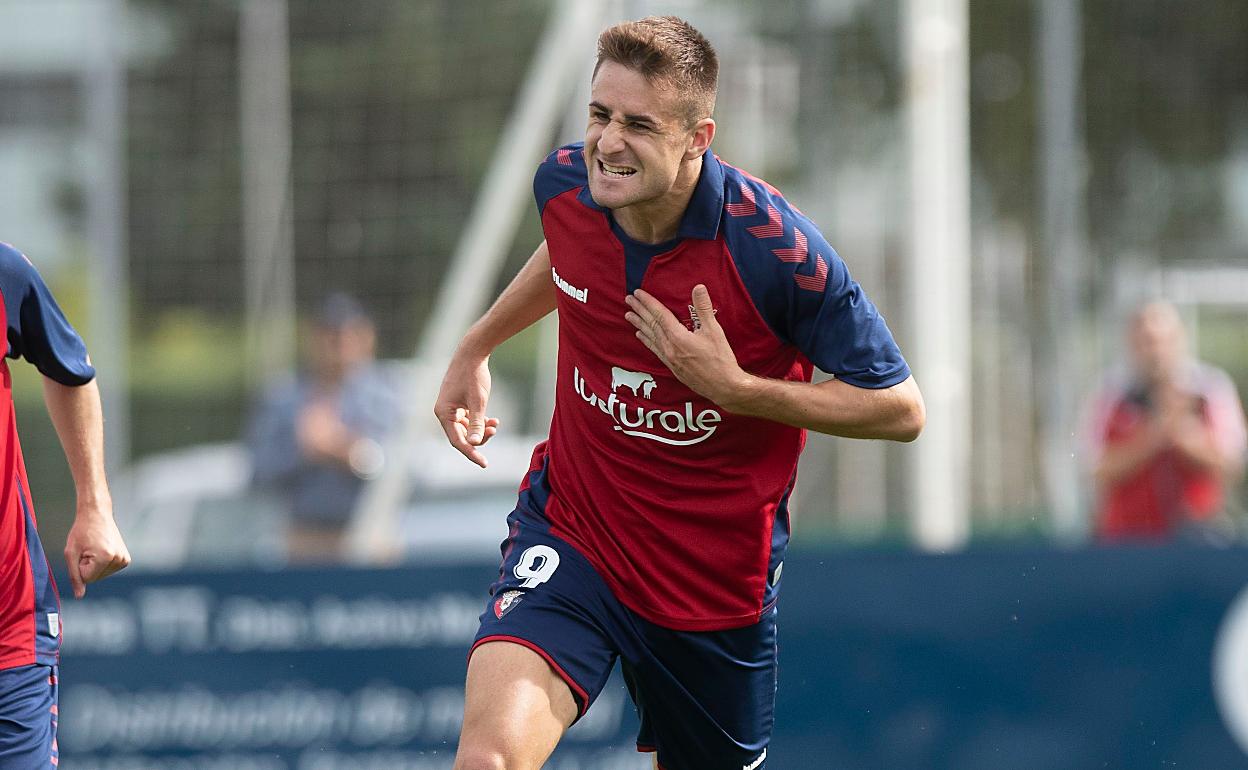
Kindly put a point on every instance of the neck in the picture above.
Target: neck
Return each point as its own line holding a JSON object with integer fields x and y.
{"x": 658, "y": 221}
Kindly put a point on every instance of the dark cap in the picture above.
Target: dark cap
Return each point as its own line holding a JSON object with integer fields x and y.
{"x": 338, "y": 310}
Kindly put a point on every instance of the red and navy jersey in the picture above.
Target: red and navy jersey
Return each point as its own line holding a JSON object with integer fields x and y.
{"x": 680, "y": 505}
{"x": 30, "y": 626}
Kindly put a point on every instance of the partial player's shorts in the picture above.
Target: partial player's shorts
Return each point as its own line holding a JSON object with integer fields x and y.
{"x": 28, "y": 698}
{"x": 706, "y": 699}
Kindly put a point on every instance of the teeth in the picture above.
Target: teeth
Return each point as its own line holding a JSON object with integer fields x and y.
{"x": 617, "y": 170}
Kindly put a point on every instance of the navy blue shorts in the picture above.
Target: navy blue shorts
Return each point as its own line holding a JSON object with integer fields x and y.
{"x": 28, "y": 697}
{"x": 706, "y": 699}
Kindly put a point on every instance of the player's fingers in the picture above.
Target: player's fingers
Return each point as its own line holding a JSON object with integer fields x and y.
{"x": 653, "y": 347}
{"x": 704, "y": 307}
{"x": 644, "y": 304}
{"x": 119, "y": 561}
{"x": 451, "y": 422}
{"x": 111, "y": 568}
{"x": 656, "y": 314}
{"x": 637, "y": 314}
{"x": 476, "y": 428}
{"x": 491, "y": 428}
{"x": 649, "y": 328}
{"x": 475, "y": 455}
{"x": 475, "y": 404}
{"x": 467, "y": 449}
{"x": 638, "y": 323}
{"x": 93, "y": 567}
{"x": 72, "y": 558}
{"x": 456, "y": 430}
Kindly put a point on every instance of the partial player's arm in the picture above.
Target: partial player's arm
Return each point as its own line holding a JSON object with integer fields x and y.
{"x": 833, "y": 407}
{"x": 94, "y": 548}
{"x": 465, "y": 390}
{"x": 39, "y": 332}
{"x": 703, "y": 360}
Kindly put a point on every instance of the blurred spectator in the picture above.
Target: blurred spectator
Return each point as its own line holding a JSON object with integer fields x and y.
{"x": 1167, "y": 441}
{"x": 316, "y": 441}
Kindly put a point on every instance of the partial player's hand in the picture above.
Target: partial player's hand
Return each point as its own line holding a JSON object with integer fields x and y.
{"x": 94, "y": 549}
{"x": 460, "y": 407}
{"x": 702, "y": 358}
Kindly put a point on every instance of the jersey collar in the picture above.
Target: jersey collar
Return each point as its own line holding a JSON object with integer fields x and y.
{"x": 706, "y": 207}
{"x": 701, "y": 219}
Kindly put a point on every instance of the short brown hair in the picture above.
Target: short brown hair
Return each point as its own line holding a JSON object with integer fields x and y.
{"x": 669, "y": 52}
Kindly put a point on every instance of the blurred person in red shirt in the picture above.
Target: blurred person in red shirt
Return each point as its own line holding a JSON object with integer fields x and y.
{"x": 1167, "y": 441}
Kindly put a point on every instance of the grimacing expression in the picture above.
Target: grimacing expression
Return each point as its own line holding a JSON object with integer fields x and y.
{"x": 637, "y": 138}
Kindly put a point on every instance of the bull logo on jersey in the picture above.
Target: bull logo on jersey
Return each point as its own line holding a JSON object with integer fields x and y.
{"x": 622, "y": 378}
{"x": 675, "y": 427}
{"x": 506, "y": 602}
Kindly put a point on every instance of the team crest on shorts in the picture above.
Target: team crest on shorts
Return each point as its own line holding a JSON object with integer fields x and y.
{"x": 504, "y": 603}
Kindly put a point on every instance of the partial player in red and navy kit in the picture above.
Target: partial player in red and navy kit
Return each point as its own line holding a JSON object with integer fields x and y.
{"x": 30, "y": 625}
{"x": 694, "y": 302}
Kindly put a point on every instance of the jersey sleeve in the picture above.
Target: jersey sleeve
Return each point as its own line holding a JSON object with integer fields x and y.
{"x": 37, "y": 329}
{"x": 838, "y": 328}
{"x": 561, "y": 170}
{"x": 805, "y": 293}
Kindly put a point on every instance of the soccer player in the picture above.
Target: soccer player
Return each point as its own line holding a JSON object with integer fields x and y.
{"x": 30, "y": 625}
{"x": 693, "y": 302}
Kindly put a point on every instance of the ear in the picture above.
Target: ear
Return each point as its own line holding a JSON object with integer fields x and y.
{"x": 700, "y": 139}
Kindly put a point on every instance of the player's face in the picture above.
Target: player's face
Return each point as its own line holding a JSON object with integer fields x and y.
{"x": 638, "y": 139}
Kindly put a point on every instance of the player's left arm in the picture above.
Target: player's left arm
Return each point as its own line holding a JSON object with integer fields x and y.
{"x": 703, "y": 360}
{"x": 38, "y": 331}
{"x": 94, "y": 548}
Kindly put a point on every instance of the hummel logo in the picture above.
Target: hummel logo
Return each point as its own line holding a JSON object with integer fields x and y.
{"x": 580, "y": 295}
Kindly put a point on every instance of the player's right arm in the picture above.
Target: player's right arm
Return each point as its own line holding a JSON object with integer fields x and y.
{"x": 94, "y": 548}
{"x": 465, "y": 390}
{"x": 39, "y": 332}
